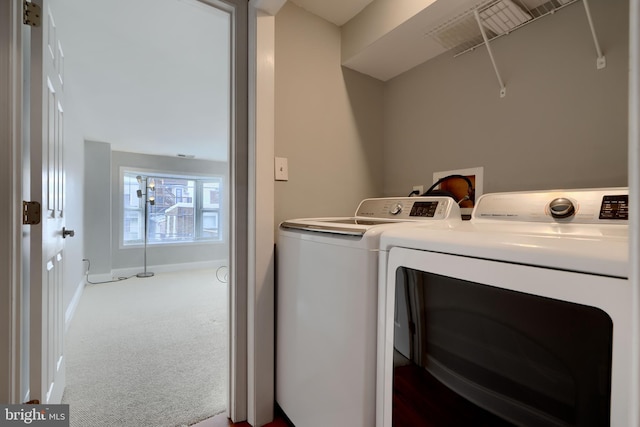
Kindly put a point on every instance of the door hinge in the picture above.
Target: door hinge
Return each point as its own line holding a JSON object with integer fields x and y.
{"x": 31, "y": 13}
{"x": 30, "y": 213}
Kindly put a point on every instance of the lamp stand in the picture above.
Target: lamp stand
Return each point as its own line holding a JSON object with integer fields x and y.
{"x": 145, "y": 273}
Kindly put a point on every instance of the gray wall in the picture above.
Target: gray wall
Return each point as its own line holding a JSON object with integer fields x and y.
{"x": 97, "y": 206}
{"x": 562, "y": 124}
{"x": 328, "y": 121}
{"x": 102, "y": 245}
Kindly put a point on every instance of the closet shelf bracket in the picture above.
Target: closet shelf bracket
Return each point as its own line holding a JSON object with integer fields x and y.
{"x": 601, "y": 62}
{"x": 503, "y": 89}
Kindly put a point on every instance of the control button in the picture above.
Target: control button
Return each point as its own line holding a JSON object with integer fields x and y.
{"x": 562, "y": 208}
{"x": 396, "y": 209}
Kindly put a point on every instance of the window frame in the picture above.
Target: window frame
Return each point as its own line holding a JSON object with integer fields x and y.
{"x": 199, "y": 181}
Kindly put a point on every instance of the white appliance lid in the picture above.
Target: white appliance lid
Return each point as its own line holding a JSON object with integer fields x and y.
{"x": 377, "y": 212}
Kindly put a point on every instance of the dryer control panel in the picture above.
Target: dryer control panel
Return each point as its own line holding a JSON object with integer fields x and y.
{"x": 581, "y": 206}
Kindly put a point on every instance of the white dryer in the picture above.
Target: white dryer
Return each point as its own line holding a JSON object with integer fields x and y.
{"x": 326, "y": 312}
{"x": 524, "y": 313}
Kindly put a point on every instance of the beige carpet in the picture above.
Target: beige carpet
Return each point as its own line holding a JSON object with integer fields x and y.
{"x": 148, "y": 351}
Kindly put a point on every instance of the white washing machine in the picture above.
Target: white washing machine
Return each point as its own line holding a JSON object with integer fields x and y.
{"x": 523, "y": 314}
{"x": 326, "y": 312}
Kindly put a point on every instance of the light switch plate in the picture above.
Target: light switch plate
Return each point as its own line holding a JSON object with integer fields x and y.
{"x": 281, "y": 169}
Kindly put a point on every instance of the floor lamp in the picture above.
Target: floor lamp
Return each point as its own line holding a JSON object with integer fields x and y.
{"x": 148, "y": 200}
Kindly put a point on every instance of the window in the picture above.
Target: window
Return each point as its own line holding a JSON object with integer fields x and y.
{"x": 183, "y": 209}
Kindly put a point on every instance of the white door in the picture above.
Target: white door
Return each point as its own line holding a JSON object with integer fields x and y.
{"x": 47, "y": 187}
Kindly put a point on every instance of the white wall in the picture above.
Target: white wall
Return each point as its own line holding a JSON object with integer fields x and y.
{"x": 375, "y": 21}
{"x": 562, "y": 124}
{"x": 328, "y": 121}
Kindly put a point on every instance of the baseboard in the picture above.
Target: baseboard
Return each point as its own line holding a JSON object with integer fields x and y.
{"x": 169, "y": 268}
{"x": 56, "y": 388}
{"x": 73, "y": 305}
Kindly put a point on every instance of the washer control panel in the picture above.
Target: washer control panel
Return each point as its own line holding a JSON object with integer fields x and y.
{"x": 409, "y": 208}
{"x": 584, "y": 206}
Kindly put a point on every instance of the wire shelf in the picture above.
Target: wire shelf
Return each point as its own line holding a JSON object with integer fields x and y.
{"x": 499, "y": 17}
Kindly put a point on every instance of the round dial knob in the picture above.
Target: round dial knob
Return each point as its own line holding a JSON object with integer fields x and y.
{"x": 562, "y": 208}
{"x": 396, "y": 209}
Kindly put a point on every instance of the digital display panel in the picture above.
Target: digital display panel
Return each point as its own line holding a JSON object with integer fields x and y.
{"x": 424, "y": 209}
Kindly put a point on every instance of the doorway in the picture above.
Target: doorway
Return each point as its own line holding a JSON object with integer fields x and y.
{"x": 83, "y": 113}
{"x": 245, "y": 399}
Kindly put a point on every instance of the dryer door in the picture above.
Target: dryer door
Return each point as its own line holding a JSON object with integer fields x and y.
{"x": 533, "y": 346}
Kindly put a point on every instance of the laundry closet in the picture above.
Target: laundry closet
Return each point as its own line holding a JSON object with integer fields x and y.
{"x": 542, "y": 105}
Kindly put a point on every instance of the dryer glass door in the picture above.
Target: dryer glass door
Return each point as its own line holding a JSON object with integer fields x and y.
{"x": 529, "y": 359}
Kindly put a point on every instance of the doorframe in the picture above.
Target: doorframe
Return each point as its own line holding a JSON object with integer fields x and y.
{"x": 240, "y": 234}
{"x": 261, "y": 290}
{"x": 10, "y": 214}
{"x": 634, "y": 203}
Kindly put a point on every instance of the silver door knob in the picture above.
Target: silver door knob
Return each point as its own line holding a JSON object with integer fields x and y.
{"x": 66, "y": 233}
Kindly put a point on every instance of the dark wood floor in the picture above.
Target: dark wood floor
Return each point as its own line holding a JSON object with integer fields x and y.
{"x": 415, "y": 392}
{"x": 223, "y": 421}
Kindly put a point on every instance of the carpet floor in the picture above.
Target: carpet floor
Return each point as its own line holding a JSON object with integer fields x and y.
{"x": 148, "y": 351}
